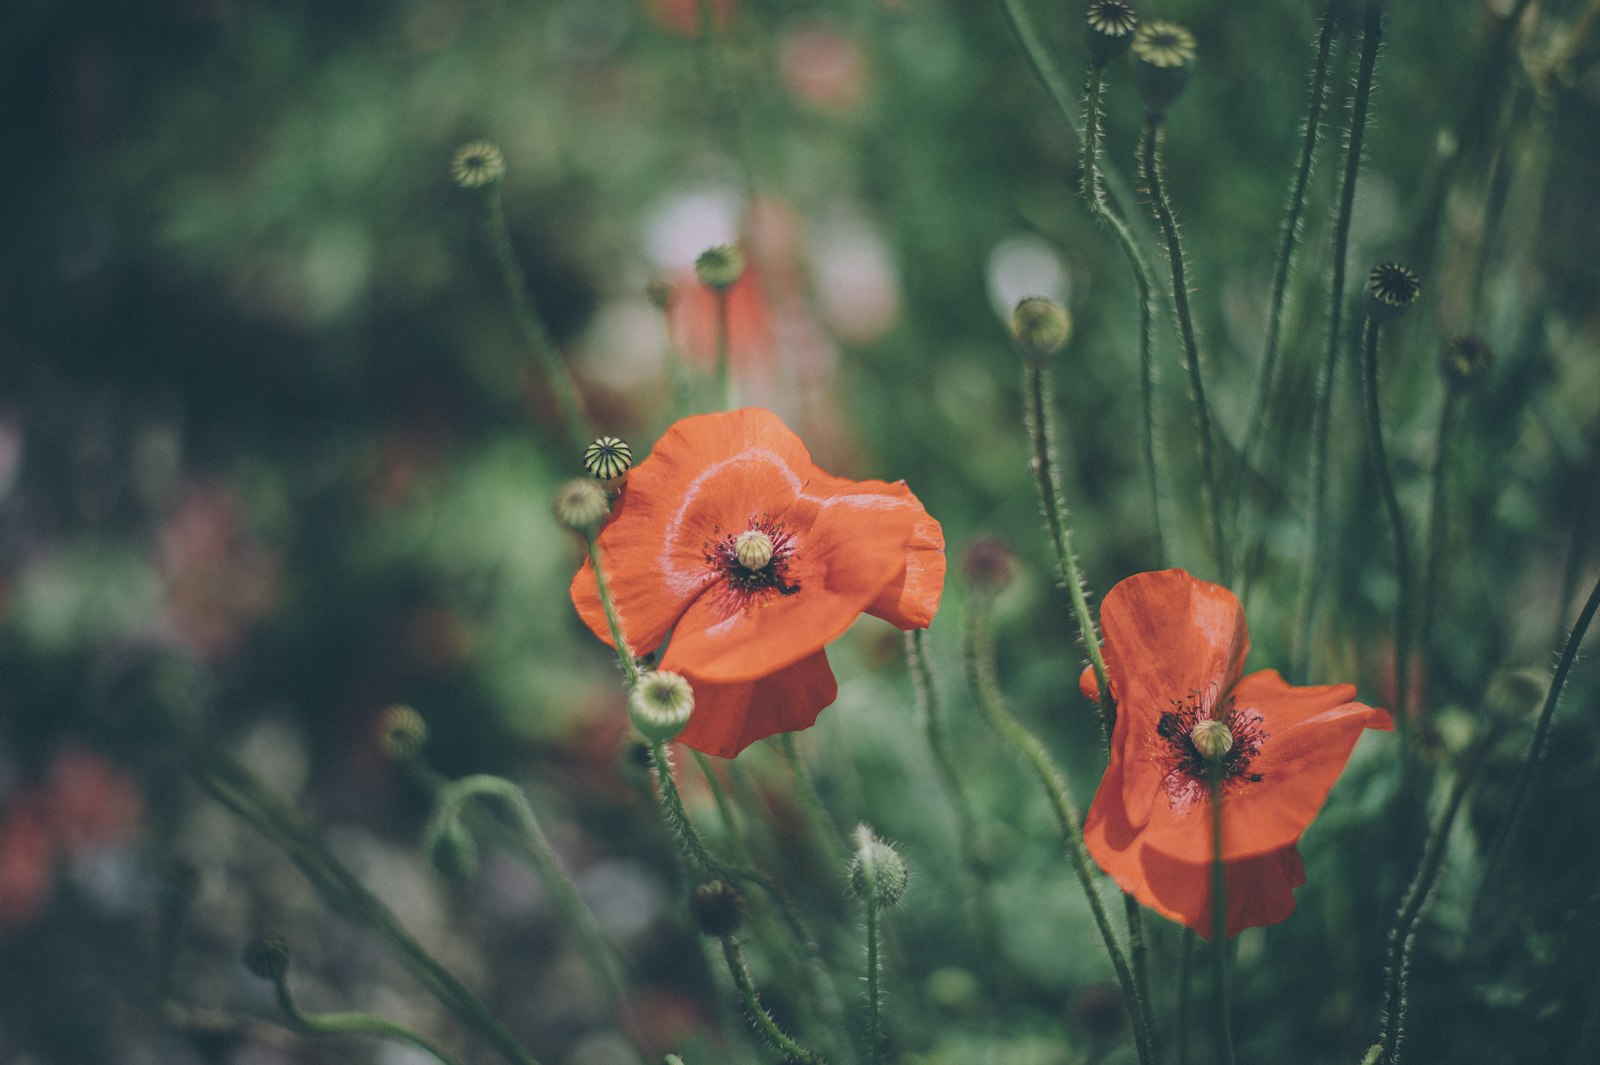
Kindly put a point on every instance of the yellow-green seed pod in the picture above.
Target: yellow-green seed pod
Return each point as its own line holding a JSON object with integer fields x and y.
{"x": 1040, "y": 327}
{"x": 1108, "y": 29}
{"x": 608, "y": 461}
{"x": 1164, "y": 56}
{"x": 476, "y": 164}
{"x": 581, "y": 505}
{"x": 660, "y": 705}
{"x": 1213, "y": 739}
{"x": 402, "y": 732}
{"x": 720, "y": 267}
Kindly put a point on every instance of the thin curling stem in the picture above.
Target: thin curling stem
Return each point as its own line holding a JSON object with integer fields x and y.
{"x": 1436, "y": 519}
{"x": 232, "y": 785}
{"x": 1094, "y": 196}
{"x": 1219, "y": 929}
{"x": 1391, "y": 505}
{"x": 1322, "y": 416}
{"x": 1286, "y": 255}
{"x": 1541, "y": 732}
{"x": 353, "y": 1024}
{"x": 630, "y": 666}
{"x": 573, "y": 417}
{"x": 1151, "y": 156}
{"x": 1401, "y": 936}
{"x": 1047, "y": 476}
{"x": 760, "y": 1020}
{"x": 981, "y": 676}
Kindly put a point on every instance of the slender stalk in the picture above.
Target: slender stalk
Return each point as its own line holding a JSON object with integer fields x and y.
{"x": 1138, "y": 955}
{"x": 237, "y": 789}
{"x": 1267, "y": 376}
{"x": 1401, "y": 936}
{"x": 1541, "y": 733}
{"x": 874, "y": 993}
{"x": 822, "y": 826}
{"x": 1185, "y": 979}
{"x": 573, "y": 417}
{"x": 630, "y": 666}
{"x": 1151, "y": 157}
{"x": 760, "y": 1020}
{"x": 1219, "y": 928}
{"x": 1047, "y": 477}
{"x": 1436, "y": 518}
{"x": 1322, "y": 416}
{"x": 1578, "y": 542}
{"x": 354, "y": 1024}
{"x": 724, "y": 369}
{"x": 1094, "y": 196}
{"x": 981, "y": 676}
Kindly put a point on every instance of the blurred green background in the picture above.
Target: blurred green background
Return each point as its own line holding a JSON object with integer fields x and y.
{"x": 274, "y": 455}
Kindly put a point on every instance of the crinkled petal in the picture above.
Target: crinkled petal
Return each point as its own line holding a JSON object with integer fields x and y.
{"x": 727, "y": 718}
{"x": 1167, "y": 636}
{"x": 846, "y": 550}
{"x": 707, "y": 473}
{"x": 911, "y": 601}
{"x": 1309, "y": 735}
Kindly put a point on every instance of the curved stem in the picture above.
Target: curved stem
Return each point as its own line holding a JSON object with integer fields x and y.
{"x": 354, "y": 1024}
{"x": 760, "y": 1020}
{"x": 1151, "y": 156}
{"x": 575, "y": 420}
{"x": 1047, "y": 477}
{"x": 981, "y": 676}
{"x": 1322, "y": 416}
{"x": 1094, "y": 196}
{"x": 1268, "y": 373}
{"x": 1391, "y": 505}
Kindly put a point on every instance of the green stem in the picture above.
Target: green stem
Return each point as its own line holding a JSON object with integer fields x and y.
{"x": 630, "y": 666}
{"x": 1436, "y": 519}
{"x": 579, "y": 429}
{"x": 1391, "y": 504}
{"x": 354, "y": 1024}
{"x": 981, "y": 676}
{"x": 1094, "y": 196}
{"x": 1185, "y": 979}
{"x": 1256, "y": 422}
{"x": 1219, "y": 928}
{"x": 724, "y": 369}
{"x": 1047, "y": 477}
{"x": 1151, "y": 156}
{"x": 1400, "y": 937}
{"x": 760, "y": 1020}
{"x": 874, "y": 1004}
{"x": 1322, "y": 417}
{"x": 822, "y": 825}
{"x": 235, "y": 788}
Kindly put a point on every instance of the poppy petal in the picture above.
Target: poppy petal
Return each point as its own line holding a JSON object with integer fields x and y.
{"x": 727, "y": 718}
{"x": 846, "y": 550}
{"x": 1259, "y": 890}
{"x": 1167, "y": 636}
{"x": 913, "y": 600}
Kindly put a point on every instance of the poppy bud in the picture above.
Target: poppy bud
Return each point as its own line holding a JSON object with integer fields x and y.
{"x": 878, "y": 874}
{"x": 581, "y": 505}
{"x": 477, "y": 164}
{"x": 1391, "y": 290}
{"x": 660, "y": 705}
{"x": 1212, "y": 738}
{"x": 267, "y": 956}
{"x": 1163, "y": 58}
{"x": 1040, "y": 326}
{"x": 753, "y": 548}
{"x": 662, "y": 293}
{"x": 608, "y": 461}
{"x": 720, "y": 267}
{"x": 986, "y": 563}
{"x": 1465, "y": 360}
{"x": 717, "y": 908}
{"x": 402, "y": 732}
{"x": 1108, "y": 29}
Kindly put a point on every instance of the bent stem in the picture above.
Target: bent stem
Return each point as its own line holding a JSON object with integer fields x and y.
{"x": 573, "y": 417}
{"x": 1379, "y": 458}
{"x": 353, "y": 1024}
{"x": 979, "y": 655}
{"x": 1312, "y": 570}
{"x": 1268, "y": 373}
{"x": 1219, "y": 927}
{"x": 1047, "y": 477}
{"x": 1150, "y": 155}
{"x": 1094, "y": 196}
{"x": 761, "y": 1021}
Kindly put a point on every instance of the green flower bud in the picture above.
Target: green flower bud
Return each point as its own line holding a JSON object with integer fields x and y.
{"x": 878, "y": 874}
{"x": 267, "y": 956}
{"x": 1040, "y": 326}
{"x": 581, "y": 505}
{"x": 660, "y": 705}
{"x": 717, "y": 908}
{"x": 720, "y": 267}
{"x": 477, "y": 164}
{"x": 1163, "y": 58}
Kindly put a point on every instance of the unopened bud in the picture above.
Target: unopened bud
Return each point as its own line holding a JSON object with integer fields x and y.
{"x": 717, "y": 908}
{"x": 1163, "y": 58}
{"x": 402, "y": 732}
{"x": 720, "y": 267}
{"x": 581, "y": 505}
{"x": 267, "y": 956}
{"x": 660, "y": 705}
{"x": 1040, "y": 326}
{"x": 987, "y": 563}
{"x": 878, "y": 874}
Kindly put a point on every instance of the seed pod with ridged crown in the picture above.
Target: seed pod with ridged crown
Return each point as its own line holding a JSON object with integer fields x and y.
{"x": 1108, "y": 29}
{"x": 1391, "y": 290}
{"x": 1163, "y": 58}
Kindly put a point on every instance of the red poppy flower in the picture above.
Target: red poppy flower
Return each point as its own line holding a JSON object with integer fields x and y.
{"x": 732, "y": 540}
{"x": 1175, "y": 650}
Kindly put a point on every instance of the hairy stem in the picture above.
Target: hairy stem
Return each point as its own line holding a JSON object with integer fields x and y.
{"x": 1379, "y": 459}
{"x": 760, "y": 1020}
{"x": 353, "y": 1024}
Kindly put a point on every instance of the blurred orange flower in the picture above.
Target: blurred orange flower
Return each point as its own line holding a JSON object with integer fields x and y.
{"x": 1175, "y": 650}
{"x": 753, "y": 558}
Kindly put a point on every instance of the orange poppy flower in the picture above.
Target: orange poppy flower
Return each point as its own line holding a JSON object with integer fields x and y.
{"x": 729, "y": 538}
{"x": 1175, "y": 650}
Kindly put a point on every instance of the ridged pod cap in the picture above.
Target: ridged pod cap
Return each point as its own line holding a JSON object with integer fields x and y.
{"x": 1040, "y": 327}
{"x": 476, "y": 164}
{"x": 1391, "y": 290}
{"x": 660, "y": 705}
{"x": 1164, "y": 55}
{"x": 720, "y": 267}
{"x": 1108, "y": 29}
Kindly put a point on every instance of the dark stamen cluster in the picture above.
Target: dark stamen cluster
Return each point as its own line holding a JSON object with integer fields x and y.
{"x": 723, "y": 556}
{"x": 1188, "y": 772}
